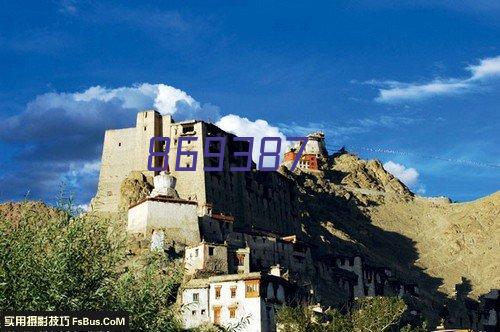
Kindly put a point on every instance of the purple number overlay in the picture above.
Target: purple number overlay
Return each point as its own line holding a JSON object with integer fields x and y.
{"x": 219, "y": 155}
{"x": 264, "y": 153}
{"x": 215, "y": 147}
{"x": 156, "y": 142}
{"x": 188, "y": 153}
{"x": 247, "y": 154}
{"x": 303, "y": 141}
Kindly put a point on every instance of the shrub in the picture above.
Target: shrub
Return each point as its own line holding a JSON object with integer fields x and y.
{"x": 374, "y": 314}
{"x": 377, "y": 313}
{"x": 56, "y": 261}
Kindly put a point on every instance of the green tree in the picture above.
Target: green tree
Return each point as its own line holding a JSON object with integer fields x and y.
{"x": 339, "y": 322}
{"x": 372, "y": 314}
{"x": 148, "y": 290}
{"x": 297, "y": 319}
{"x": 51, "y": 260}
{"x": 377, "y": 314}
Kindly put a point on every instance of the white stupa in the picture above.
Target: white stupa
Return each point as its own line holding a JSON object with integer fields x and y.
{"x": 164, "y": 185}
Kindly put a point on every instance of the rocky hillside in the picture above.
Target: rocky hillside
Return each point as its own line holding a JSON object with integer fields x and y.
{"x": 12, "y": 211}
{"x": 358, "y": 207}
{"x": 452, "y": 240}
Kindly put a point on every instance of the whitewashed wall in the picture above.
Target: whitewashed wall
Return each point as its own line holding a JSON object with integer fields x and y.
{"x": 178, "y": 220}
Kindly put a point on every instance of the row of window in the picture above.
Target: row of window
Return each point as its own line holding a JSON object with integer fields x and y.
{"x": 217, "y": 312}
{"x": 210, "y": 251}
{"x": 219, "y": 288}
{"x": 202, "y": 312}
{"x": 251, "y": 290}
{"x": 196, "y": 296}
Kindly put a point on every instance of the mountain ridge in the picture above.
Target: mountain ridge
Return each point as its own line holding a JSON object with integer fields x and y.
{"x": 365, "y": 209}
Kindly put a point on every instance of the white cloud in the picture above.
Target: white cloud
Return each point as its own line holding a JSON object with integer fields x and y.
{"x": 83, "y": 207}
{"x": 53, "y": 124}
{"x": 58, "y": 136}
{"x": 77, "y": 170}
{"x": 413, "y": 91}
{"x": 258, "y": 129}
{"x": 488, "y": 67}
{"x": 421, "y": 190}
{"x": 164, "y": 98}
{"x": 92, "y": 167}
{"x": 407, "y": 175}
{"x": 393, "y": 91}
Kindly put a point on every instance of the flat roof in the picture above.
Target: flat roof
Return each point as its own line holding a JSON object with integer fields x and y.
{"x": 205, "y": 282}
{"x": 164, "y": 199}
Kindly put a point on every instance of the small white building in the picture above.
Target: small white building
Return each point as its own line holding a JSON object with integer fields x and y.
{"x": 211, "y": 257}
{"x": 248, "y": 300}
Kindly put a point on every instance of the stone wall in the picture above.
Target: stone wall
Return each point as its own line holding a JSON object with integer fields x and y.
{"x": 116, "y": 164}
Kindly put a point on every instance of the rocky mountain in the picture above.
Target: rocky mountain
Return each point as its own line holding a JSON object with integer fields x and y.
{"x": 357, "y": 207}
{"x": 452, "y": 240}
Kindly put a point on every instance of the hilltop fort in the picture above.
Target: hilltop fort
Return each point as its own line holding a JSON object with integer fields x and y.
{"x": 255, "y": 199}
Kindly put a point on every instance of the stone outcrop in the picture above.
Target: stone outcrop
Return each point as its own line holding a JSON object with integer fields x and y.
{"x": 134, "y": 188}
{"x": 12, "y": 212}
{"x": 355, "y": 173}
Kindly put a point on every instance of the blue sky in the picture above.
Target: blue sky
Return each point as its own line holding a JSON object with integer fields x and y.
{"x": 416, "y": 86}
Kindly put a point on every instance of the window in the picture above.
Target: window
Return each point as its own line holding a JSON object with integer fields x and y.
{"x": 145, "y": 128}
{"x": 187, "y": 129}
{"x": 210, "y": 251}
{"x": 252, "y": 288}
{"x": 241, "y": 259}
{"x": 120, "y": 144}
{"x": 196, "y": 253}
{"x": 232, "y": 312}
{"x": 196, "y": 297}
{"x": 217, "y": 291}
{"x": 217, "y": 315}
{"x": 233, "y": 292}
{"x": 203, "y": 312}
{"x": 193, "y": 312}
